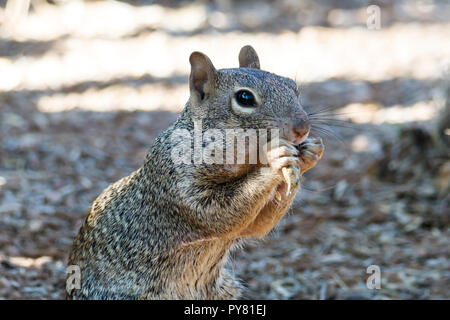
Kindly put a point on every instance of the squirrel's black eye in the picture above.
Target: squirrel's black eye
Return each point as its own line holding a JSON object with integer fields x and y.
{"x": 245, "y": 98}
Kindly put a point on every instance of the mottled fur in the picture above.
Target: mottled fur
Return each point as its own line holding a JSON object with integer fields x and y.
{"x": 165, "y": 231}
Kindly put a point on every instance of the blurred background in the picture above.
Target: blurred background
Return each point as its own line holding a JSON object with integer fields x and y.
{"x": 85, "y": 86}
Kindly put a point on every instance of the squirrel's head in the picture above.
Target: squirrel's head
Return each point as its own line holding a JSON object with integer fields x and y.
{"x": 246, "y": 97}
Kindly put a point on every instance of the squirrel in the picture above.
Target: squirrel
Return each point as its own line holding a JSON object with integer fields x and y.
{"x": 166, "y": 230}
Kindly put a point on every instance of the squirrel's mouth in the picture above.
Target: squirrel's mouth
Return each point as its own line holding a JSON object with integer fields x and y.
{"x": 300, "y": 136}
{"x": 299, "y": 141}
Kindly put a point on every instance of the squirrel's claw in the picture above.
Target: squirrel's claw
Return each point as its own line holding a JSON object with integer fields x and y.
{"x": 311, "y": 152}
{"x": 291, "y": 175}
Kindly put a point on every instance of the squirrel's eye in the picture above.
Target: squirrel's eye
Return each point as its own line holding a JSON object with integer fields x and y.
{"x": 245, "y": 98}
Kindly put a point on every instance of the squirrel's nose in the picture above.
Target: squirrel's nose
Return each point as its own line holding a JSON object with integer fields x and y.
{"x": 300, "y": 129}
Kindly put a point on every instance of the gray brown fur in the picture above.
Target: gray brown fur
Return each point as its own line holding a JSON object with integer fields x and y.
{"x": 166, "y": 230}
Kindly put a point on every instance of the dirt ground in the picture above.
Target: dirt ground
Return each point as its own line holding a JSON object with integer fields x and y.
{"x": 86, "y": 86}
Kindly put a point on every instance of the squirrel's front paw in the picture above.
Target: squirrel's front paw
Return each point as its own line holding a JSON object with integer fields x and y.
{"x": 284, "y": 160}
{"x": 284, "y": 172}
{"x": 310, "y": 152}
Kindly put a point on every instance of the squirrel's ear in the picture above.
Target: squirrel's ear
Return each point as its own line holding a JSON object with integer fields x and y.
{"x": 203, "y": 75}
{"x": 248, "y": 58}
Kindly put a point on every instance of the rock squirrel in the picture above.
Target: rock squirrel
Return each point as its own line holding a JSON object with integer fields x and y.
{"x": 166, "y": 230}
